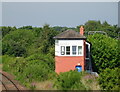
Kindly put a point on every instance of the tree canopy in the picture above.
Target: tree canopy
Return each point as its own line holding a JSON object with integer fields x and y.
{"x": 104, "y": 51}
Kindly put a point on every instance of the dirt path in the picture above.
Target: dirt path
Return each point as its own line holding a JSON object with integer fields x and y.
{"x": 8, "y": 82}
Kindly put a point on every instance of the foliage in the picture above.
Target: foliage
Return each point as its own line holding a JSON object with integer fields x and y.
{"x": 35, "y": 71}
{"x": 104, "y": 51}
{"x": 7, "y": 61}
{"x": 61, "y": 29}
{"x": 69, "y": 81}
{"x": 5, "y": 30}
{"x": 17, "y": 42}
{"x": 90, "y": 81}
{"x": 28, "y": 53}
{"x": 48, "y": 59}
{"x": 27, "y": 40}
{"x": 26, "y": 27}
{"x": 28, "y": 70}
{"x": 91, "y": 25}
{"x": 109, "y": 79}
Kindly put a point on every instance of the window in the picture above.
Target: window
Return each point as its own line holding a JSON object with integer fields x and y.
{"x": 79, "y": 50}
{"x": 74, "y": 50}
{"x": 62, "y": 50}
{"x": 67, "y": 50}
{"x": 71, "y": 50}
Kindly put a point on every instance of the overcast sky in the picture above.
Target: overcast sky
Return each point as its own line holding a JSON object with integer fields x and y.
{"x": 57, "y": 14}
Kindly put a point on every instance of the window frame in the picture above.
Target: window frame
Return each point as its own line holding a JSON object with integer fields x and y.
{"x": 75, "y": 50}
{"x": 79, "y": 54}
{"x": 68, "y": 51}
{"x": 63, "y": 50}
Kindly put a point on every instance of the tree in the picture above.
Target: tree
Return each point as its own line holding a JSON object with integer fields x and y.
{"x": 26, "y": 27}
{"x": 17, "y": 42}
{"x": 111, "y": 31}
{"x": 46, "y": 39}
{"x": 109, "y": 79}
{"x": 6, "y": 30}
{"x": 105, "y": 24}
{"x": 105, "y": 53}
{"x": 92, "y": 25}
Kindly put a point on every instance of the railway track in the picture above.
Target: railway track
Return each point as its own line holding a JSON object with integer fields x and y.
{"x": 7, "y": 83}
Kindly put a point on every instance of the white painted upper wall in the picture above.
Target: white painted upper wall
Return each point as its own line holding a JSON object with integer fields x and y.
{"x": 59, "y": 43}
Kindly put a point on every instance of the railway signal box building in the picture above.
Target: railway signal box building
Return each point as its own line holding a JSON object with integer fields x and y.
{"x": 71, "y": 51}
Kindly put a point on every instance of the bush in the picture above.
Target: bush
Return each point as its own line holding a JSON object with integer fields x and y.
{"x": 109, "y": 79}
{"x": 69, "y": 81}
{"x": 47, "y": 58}
{"x": 30, "y": 69}
{"x": 7, "y": 62}
{"x": 34, "y": 71}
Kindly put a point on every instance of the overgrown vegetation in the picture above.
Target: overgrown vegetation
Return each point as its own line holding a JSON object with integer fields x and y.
{"x": 28, "y": 70}
{"x": 105, "y": 53}
{"x": 106, "y": 60}
{"x": 109, "y": 79}
{"x": 28, "y": 53}
{"x": 73, "y": 80}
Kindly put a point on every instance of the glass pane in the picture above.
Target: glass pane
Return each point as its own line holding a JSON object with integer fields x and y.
{"x": 74, "y": 50}
{"x": 79, "y": 50}
{"x": 62, "y": 50}
{"x": 67, "y": 50}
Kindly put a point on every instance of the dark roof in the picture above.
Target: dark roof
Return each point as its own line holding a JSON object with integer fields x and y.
{"x": 69, "y": 34}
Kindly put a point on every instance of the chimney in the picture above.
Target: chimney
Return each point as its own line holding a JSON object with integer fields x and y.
{"x": 81, "y": 30}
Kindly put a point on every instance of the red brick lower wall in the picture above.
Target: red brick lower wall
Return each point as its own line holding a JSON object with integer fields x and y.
{"x": 67, "y": 63}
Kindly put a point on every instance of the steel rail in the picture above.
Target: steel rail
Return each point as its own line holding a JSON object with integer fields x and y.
{"x": 10, "y": 81}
